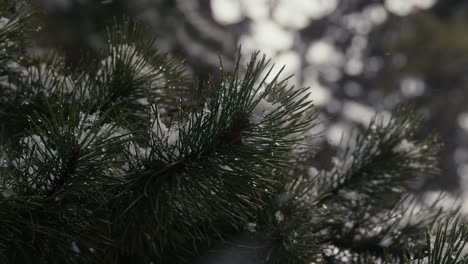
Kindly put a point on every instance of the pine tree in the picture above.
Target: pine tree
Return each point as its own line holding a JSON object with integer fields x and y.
{"x": 124, "y": 159}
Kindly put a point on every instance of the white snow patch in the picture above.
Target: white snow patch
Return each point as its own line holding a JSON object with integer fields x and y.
{"x": 279, "y": 216}
{"x": 460, "y": 155}
{"x": 319, "y": 94}
{"x": 376, "y": 13}
{"x": 358, "y": 112}
{"x": 463, "y": 173}
{"x": 75, "y": 248}
{"x": 424, "y": 4}
{"x": 252, "y": 227}
{"x": 323, "y": 52}
{"x": 271, "y": 36}
{"x": 358, "y": 22}
{"x": 354, "y": 66}
{"x": 406, "y": 146}
{"x": 282, "y": 15}
{"x": 47, "y": 78}
{"x": 262, "y": 109}
{"x": 399, "y": 7}
{"x": 303, "y": 11}
{"x": 226, "y": 12}
{"x": 292, "y": 63}
{"x": 256, "y": 10}
{"x": 462, "y": 121}
{"x": 8, "y": 193}
{"x": 405, "y": 7}
{"x": 412, "y": 87}
{"x": 312, "y": 172}
{"x": 336, "y": 133}
{"x": 317, "y": 9}
{"x": 3, "y": 22}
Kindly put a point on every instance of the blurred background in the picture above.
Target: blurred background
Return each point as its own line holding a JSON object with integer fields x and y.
{"x": 358, "y": 57}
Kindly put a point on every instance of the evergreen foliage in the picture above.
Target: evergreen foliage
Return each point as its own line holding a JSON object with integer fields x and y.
{"x": 124, "y": 160}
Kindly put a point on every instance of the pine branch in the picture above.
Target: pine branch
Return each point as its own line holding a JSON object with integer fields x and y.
{"x": 61, "y": 146}
{"x": 14, "y": 26}
{"x": 133, "y": 73}
{"x": 368, "y": 185}
{"x": 383, "y": 158}
{"x": 212, "y": 164}
{"x": 64, "y": 169}
{"x": 446, "y": 247}
{"x": 357, "y": 207}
